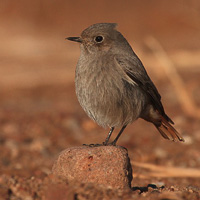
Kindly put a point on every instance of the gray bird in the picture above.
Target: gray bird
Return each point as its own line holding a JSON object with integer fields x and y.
{"x": 113, "y": 86}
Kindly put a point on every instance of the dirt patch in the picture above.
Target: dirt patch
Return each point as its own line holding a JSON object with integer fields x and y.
{"x": 39, "y": 123}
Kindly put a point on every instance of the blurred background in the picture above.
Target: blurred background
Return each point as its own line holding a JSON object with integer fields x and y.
{"x": 39, "y": 112}
{"x": 33, "y": 47}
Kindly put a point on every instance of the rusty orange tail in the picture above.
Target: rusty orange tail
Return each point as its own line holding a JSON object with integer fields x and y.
{"x": 168, "y": 131}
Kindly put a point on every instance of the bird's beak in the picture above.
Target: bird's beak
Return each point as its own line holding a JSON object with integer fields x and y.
{"x": 74, "y": 39}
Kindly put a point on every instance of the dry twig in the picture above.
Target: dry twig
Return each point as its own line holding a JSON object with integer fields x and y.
{"x": 183, "y": 95}
{"x": 165, "y": 171}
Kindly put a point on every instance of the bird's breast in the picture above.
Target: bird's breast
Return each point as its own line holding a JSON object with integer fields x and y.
{"x": 96, "y": 83}
{"x": 102, "y": 93}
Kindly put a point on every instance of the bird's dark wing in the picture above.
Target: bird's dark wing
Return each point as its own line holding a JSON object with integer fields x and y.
{"x": 133, "y": 67}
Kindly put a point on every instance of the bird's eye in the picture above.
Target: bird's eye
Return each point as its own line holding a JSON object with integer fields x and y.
{"x": 98, "y": 39}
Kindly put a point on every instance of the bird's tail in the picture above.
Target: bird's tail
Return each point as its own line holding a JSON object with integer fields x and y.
{"x": 168, "y": 131}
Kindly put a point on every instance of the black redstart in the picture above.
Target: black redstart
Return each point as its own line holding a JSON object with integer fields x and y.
{"x": 113, "y": 86}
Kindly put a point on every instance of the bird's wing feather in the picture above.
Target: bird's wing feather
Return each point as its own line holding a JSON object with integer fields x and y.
{"x": 133, "y": 67}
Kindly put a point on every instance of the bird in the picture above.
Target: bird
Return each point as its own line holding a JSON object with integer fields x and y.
{"x": 112, "y": 85}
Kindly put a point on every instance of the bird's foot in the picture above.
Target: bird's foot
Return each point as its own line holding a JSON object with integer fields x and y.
{"x": 99, "y": 145}
{"x": 93, "y": 145}
{"x": 109, "y": 144}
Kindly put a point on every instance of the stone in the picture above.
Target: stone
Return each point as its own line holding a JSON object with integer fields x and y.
{"x": 102, "y": 165}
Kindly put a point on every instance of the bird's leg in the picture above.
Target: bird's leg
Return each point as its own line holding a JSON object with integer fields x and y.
{"x": 109, "y": 135}
{"x": 115, "y": 140}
